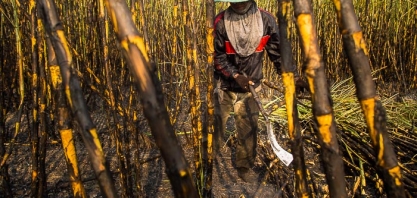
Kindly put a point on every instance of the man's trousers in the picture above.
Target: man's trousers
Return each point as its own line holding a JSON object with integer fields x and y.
{"x": 246, "y": 114}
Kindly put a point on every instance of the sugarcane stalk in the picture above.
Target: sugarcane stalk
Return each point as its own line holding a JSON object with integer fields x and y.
{"x": 4, "y": 175}
{"x": 43, "y": 98}
{"x": 294, "y": 128}
{"x": 19, "y": 63}
{"x": 208, "y": 131}
{"x": 64, "y": 124}
{"x": 35, "y": 86}
{"x": 133, "y": 7}
{"x": 43, "y": 137}
{"x": 174, "y": 62}
{"x": 312, "y": 186}
{"x": 117, "y": 133}
{"x": 362, "y": 178}
{"x": 194, "y": 94}
{"x": 374, "y": 112}
{"x": 144, "y": 24}
{"x": 321, "y": 99}
{"x": 150, "y": 92}
{"x": 75, "y": 98}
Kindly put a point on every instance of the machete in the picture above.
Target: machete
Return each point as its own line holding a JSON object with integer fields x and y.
{"x": 282, "y": 154}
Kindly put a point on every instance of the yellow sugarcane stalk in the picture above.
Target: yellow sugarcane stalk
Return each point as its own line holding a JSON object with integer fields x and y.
{"x": 208, "y": 137}
{"x": 71, "y": 159}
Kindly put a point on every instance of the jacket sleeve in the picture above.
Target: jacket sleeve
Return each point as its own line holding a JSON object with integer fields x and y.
{"x": 273, "y": 46}
{"x": 221, "y": 63}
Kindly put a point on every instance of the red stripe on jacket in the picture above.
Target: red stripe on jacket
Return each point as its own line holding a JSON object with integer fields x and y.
{"x": 216, "y": 66}
{"x": 260, "y": 48}
{"x": 218, "y": 18}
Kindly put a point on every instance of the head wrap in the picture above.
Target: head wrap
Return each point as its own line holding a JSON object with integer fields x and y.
{"x": 231, "y": 1}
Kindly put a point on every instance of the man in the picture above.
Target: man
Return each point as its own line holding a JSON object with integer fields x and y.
{"x": 242, "y": 34}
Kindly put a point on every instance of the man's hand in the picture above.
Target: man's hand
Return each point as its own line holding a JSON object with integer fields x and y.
{"x": 243, "y": 82}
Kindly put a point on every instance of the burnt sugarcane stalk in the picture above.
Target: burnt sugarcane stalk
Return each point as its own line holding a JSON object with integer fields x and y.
{"x": 64, "y": 123}
{"x": 72, "y": 87}
{"x": 150, "y": 92}
{"x": 321, "y": 99}
{"x": 35, "y": 104}
{"x": 143, "y": 23}
{"x": 117, "y": 133}
{"x": 43, "y": 135}
{"x": 19, "y": 65}
{"x": 209, "y": 122}
{"x": 193, "y": 97}
{"x": 42, "y": 132}
{"x": 4, "y": 173}
{"x": 133, "y": 9}
{"x": 294, "y": 128}
{"x": 374, "y": 112}
{"x": 174, "y": 61}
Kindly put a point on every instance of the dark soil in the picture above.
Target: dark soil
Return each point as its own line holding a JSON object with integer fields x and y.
{"x": 274, "y": 178}
{"x": 155, "y": 183}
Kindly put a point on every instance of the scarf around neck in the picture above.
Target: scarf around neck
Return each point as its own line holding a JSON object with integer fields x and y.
{"x": 244, "y": 30}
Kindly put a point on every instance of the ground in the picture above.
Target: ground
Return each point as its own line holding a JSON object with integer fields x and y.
{"x": 275, "y": 179}
{"x": 155, "y": 183}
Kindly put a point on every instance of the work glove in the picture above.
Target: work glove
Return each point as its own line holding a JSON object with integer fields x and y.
{"x": 243, "y": 82}
{"x": 301, "y": 85}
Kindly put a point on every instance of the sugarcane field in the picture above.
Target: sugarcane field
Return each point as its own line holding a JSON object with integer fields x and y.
{"x": 120, "y": 98}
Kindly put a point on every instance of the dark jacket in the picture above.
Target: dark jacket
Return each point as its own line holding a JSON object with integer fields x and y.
{"x": 227, "y": 62}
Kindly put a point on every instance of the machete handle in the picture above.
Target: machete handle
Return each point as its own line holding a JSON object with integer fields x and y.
{"x": 258, "y": 102}
{"x": 256, "y": 98}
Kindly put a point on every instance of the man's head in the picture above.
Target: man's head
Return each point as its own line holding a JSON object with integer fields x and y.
{"x": 239, "y": 6}
{"x": 232, "y": 1}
